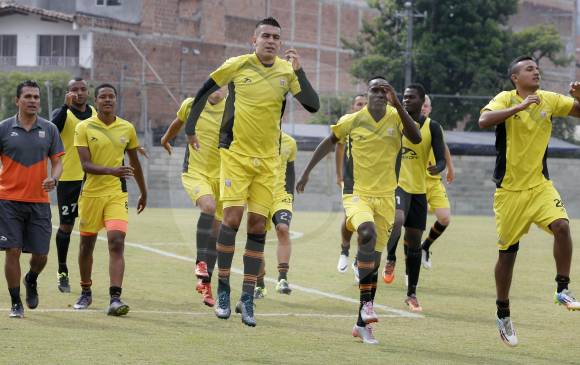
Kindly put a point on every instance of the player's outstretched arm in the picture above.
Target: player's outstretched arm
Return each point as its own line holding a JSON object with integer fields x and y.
{"x": 171, "y": 133}
{"x": 138, "y": 173}
{"x": 489, "y": 118}
{"x": 203, "y": 94}
{"x": 322, "y": 150}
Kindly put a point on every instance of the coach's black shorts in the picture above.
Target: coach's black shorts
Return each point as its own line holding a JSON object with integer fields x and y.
{"x": 415, "y": 208}
{"x": 67, "y": 194}
{"x": 26, "y": 226}
{"x": 282, "y": 216}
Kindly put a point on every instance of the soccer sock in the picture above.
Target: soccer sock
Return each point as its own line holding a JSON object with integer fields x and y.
{"x": 434, "y": 233}
{"x": 503, "y": 308}
{"x": 226, "y": 245}
{"x": 563, "y": 282}
{"x": 413, "y": 262}
{"x": 283, "y": 271}
{"x": 62, "y": 243}
{"x": 376, "y": 274}
{"x": 31, "y": 277}
{"x": 260, "y": 280}
{"x": 392, "y": 246}
{"x": 204, "y": 225}
{"x": 15, "y": 295}
{"x": 211, "y": 257}
{"x": 366, "y": 265}
{"x": 115, "y": 293}
{"x": 253, "y": 256}
{"x": 86, "y": 287}
{"x": 344, "y": 250}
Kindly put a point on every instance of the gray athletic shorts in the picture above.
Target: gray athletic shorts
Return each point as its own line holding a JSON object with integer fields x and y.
{"x": 26, "y": 226}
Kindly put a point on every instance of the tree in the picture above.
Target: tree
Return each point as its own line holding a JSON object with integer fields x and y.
{"x": 9, "y": 81}
{"x": 461, "y": 48}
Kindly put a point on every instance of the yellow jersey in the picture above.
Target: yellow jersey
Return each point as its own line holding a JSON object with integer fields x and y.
{"x": 522, "y": 139}
{"x": 255, "y": 104}
{"x": 371, "y": 148}
{"x": 207, "y": 159}
{"x": 71, "y": 164}
{"x": 414, "y": 160}
{"x": 107, "y": 145}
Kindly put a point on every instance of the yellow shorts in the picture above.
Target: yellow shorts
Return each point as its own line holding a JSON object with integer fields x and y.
{"x": 197, "y": 185}
{"x": 247, "y": 180}
{"x": 379, "y": 210}
{"x": 282, "y": 202}
{"x": 515, "y": 211}
{"x": 94, "y": 211}
{"x": 436, "y": 194}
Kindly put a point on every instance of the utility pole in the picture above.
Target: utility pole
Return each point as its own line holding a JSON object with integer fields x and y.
{"x": 408, "y": 14}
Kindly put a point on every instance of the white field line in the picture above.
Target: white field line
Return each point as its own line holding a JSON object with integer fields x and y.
{"x": 201, "y": 314}
{"x": 398, "y": 312}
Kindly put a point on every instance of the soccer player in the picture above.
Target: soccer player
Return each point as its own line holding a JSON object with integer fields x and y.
{"x": 524, "y": 194}
{"x": 358, "y": 103}
{"x": 281, "y": 217}
{"x": 411, "y": 199}
{"x": 102, "y": 141}
{"x": 437, "y": 201}
{"x": 200, "y": 179}
{"x": 74, "y": 110}
{"x": 373, "y": 141}
{"x": 250, "y": 149}
{"x": 27, "y": 142}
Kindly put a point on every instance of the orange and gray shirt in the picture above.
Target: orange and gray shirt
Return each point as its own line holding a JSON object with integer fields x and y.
{"x": 24, "y": 155}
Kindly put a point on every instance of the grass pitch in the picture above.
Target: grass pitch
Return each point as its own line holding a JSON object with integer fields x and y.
{"x": 168, "y": 324}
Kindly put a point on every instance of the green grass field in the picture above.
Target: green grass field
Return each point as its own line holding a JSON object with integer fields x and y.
{"x": 168, "y": 324}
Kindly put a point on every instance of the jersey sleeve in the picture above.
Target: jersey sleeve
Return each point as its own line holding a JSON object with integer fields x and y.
{"x": 80, "y": 139}
{"x": 343, "y": 127}
{"x": 184, "y": 109}
{"x": 225, "y": 73}
{"x": 133, "y": 140}
{"x": 562, "y": 105}
{"x": 499, "y": 102}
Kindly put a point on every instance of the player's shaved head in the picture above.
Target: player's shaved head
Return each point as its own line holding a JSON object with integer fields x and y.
{"x": 516, "y": 64}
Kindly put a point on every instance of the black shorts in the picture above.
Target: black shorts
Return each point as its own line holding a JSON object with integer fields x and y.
{"x": 26, "y": 226}
{"x": 414, "y": 206}
{"x": 282, "y": 216}
{"x": 67, "y": 194}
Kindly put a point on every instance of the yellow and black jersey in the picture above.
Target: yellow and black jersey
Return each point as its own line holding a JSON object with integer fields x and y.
{"x": 372, "y": 148}
{"x": 522, "y": 139}
{"x": 107, "y": 145}
{"x": 415, "y": 157}
{"x": 255, "y": 103}
{"x": 207, "y": 159}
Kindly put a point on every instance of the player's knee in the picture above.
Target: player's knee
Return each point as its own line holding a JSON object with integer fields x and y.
{"x": 208, "y": 206}
{"x": 367, "y": 234}
{"x": 399, "y": 219}
{"x": 116, "y": 245}
{"x": 256, "y": 223}
{"x": 560, "y": 228}
{"x": 13, "y": 253}
{"x": 283, "y": 229}
{"x": 444, "y": 220}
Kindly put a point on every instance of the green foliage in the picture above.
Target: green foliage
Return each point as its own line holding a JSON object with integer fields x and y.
{"x": 331, "y": 109}
{"x": 9, "y": 81}
{"x": 460, "y": 48}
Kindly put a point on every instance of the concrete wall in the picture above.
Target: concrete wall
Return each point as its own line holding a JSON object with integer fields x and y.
{"x": 470, "y": 194}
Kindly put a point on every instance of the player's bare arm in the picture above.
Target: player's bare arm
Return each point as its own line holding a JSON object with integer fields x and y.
{"x": 490, "y": 118}
{"x": 323, "y": 149}
{"x": 410, "y": 128}
{"x": 139, "y": 178}
{"x": 171, "y": 133}
{"x": 90, "y": 168}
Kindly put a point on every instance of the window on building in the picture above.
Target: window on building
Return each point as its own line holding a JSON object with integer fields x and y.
{"x": 8, "y": 49}
{"x": 109, "y": 2}
{"x": 58, "y": 50}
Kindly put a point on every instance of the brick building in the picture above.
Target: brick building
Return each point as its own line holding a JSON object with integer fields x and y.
{"x": 161, "y": 51}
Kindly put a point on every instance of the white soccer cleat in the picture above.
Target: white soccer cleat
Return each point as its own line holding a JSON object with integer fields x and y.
{"x": 567, "y": 299}
{"x": 426, "y": 259}
{"x": 507, "y": 332}
{"x": 368, "y": 314}
{"x": 365, "y": 334}
{"x": 342, "y": 263}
